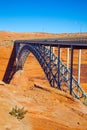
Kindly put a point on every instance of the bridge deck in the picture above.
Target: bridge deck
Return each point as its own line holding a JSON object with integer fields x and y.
{"x": 63, "y": 43}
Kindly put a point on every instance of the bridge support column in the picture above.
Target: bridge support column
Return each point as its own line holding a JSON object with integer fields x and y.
{"x": 79, "y": 65}
{"x": 58, "y": 84}
{"x": 79, "y": 68}
{"x": 67, "y": 60}
{"x": 71, "y": 69}
{"x": 54, "y": 50}
{"x": 50, "y": 55}
{"x": 50, "y": 47}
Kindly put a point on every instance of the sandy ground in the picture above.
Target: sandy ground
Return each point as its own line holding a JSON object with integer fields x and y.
{"x": 47, "y": 108}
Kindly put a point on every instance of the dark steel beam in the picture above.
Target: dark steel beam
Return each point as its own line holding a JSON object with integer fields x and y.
{"x": 50, "y": 55}
{"x": 65, "y": 43}
{"x": 58, "y": 85}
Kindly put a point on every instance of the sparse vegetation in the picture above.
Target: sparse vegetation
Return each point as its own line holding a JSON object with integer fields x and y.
{"x": 18, "y": 112}
{"x": 6, "y": 43}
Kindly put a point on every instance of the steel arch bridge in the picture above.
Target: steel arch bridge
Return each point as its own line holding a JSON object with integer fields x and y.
{"x": 57, "y": 73}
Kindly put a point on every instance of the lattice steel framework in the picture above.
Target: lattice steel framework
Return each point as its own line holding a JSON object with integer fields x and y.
{"x": 55, "y": 70}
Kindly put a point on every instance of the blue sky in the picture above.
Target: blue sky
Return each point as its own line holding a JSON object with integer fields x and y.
{"x": 52, "y": 16}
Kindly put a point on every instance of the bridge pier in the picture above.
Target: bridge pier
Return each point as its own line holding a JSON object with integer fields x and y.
{"x": 71, "y": 69}
{"x": 79, "y": 65}
{"x": 67, "y": 60}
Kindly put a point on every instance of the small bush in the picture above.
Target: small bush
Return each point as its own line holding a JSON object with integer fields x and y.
{"x": 18, "y": 112}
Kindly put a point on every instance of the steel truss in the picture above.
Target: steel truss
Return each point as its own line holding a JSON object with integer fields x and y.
{"x": 55, "y": 70}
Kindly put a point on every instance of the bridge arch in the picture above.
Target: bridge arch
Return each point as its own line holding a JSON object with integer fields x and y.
{"x": 40, "y": 57}
{"x": 23, "y": 54}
